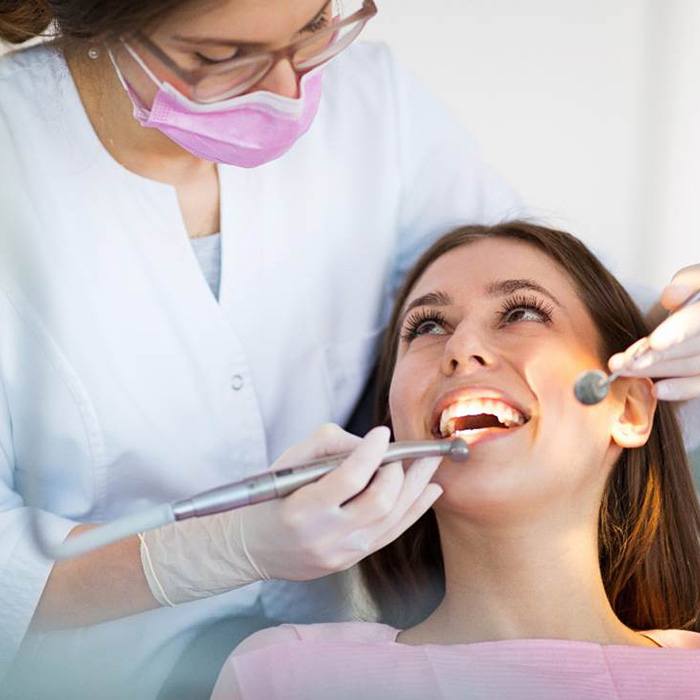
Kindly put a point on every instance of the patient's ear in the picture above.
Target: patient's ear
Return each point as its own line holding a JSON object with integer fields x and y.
{"x": 636, "y": 404}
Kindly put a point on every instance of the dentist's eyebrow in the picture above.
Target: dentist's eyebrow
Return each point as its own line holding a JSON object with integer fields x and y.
{"x": 430, "y": 299}
{"x": 212, "y": 41}
{"x": 505, "y": 287}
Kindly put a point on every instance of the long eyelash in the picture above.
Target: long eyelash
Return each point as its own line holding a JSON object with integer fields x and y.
{"x": 415, "y": 320}
{"x": 321, "y": 21}
{"x": 521, "y": 301}
{"x": 317, "y": 25}
{"x": 212, "y": 61}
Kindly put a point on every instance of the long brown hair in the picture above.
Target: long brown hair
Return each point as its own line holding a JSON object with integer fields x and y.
{"x": 74, "y": 21}
{"x": 649, "y": 521}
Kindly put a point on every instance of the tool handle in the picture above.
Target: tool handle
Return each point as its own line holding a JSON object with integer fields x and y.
{"x": 269, "y": 485}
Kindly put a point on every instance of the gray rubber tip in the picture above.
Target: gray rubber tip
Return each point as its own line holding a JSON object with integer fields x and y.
{"x": 459, "y": 450}
{"x": 592, "y": 387}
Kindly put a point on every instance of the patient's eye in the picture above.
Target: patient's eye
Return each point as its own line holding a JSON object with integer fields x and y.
{"x": 425, "y": 322}
{"x": 525, "y": 308}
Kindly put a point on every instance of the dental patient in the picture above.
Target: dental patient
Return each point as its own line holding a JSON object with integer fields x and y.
{"x": 563, "y": 558}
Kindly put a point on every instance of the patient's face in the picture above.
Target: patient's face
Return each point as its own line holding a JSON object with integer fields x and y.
{"x": 491, "y": 353}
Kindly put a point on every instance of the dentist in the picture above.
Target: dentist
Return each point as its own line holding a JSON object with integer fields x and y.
{"x": 202, "y": 220}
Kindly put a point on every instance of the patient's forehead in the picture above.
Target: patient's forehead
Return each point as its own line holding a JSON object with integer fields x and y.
{"x": 470, "y": 269}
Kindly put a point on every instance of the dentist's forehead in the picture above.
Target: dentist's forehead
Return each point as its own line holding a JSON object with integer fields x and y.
{"x": 252, "y": 21}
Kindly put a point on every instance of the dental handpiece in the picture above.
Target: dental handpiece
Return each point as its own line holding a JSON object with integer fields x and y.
{"x": 593, "y": 386}
{"x": 276, "y": 484}
{"x": 255, "y": 489}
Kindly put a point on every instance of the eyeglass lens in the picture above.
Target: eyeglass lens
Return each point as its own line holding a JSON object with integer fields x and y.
{"x": 236, "y": 79}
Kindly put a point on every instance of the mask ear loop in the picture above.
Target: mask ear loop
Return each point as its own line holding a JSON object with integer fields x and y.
{"x": 117, "y": 70}
{"x": 140, "y": 110}
{"x": 141, "y": 63}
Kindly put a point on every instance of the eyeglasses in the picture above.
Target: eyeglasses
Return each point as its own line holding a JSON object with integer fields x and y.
{"x": 232, "y": 77}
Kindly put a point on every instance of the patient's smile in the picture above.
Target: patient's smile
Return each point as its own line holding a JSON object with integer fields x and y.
{"x": 469, "y": 414}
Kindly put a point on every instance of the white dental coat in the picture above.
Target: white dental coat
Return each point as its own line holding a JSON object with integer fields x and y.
{"x": 123, "y": 383}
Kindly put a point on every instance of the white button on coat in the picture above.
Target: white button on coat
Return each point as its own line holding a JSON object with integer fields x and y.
{"x": 237, "y": 382}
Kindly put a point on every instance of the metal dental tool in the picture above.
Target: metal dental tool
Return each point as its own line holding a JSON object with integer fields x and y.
{"x": 593, "y": 386}
{"x": 278, "y": 484}
{"x": 255, "y": 489}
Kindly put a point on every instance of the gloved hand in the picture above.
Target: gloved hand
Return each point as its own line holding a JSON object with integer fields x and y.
{"x": 675, "y": 344}
{"x": 321, "y": 528}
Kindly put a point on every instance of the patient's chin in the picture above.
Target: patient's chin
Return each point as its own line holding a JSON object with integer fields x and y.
{"x": 494, "y": 490}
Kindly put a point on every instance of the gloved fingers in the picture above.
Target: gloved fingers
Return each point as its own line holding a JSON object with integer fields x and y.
{"x": 677, "y": 329}
{"x": 689, "y": 349}
{"x": 625, "y": 358}
{"x": 680, "y": 333}
{"x": 329, "y": 439}
{"x": 418, "y": 508}
{"x": 658, "y": 366}
{"x": 684, "y": 283}
{"x": 354, "y": 474}
{"x": 678, "y": 366}
{"x": 417, "y": 477}
{"x": 683, "y": 389}
{"x": 378, "y": 500}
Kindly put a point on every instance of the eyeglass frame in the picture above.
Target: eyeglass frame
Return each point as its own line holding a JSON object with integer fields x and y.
{"x": 192, "y": 77}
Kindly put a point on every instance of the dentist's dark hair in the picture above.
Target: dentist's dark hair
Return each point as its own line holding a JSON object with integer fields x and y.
{"x": 72, "y": 21}
{"x": 649, "y": 520}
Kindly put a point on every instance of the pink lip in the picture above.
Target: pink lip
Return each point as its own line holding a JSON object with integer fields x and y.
{"x": 474, "y": 392}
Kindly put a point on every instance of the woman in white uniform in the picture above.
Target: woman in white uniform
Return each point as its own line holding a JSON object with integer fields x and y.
{"x": 202, "y": 224}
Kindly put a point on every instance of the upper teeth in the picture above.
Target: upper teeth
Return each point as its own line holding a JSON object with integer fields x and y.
{"x": 473, "y": 407}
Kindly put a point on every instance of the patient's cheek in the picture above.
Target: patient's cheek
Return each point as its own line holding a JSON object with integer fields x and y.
{"x": 403, "y": 409}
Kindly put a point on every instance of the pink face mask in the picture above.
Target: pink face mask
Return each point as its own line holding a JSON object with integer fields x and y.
{"x": 247, "y": 131}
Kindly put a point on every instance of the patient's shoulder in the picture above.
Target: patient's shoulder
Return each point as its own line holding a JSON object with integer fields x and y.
{"x": 327, "y": 631}
{"x": 675, "y": 639}
{"x": 266, "y": 638}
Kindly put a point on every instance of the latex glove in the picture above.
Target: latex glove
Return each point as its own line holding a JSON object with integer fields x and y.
{"x": 324, "y": 527}
{"x": 675, "y": 344}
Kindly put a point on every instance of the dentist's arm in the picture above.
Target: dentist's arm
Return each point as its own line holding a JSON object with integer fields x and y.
{"x": 102, "y": 585}
{"x": 322, "y": 528}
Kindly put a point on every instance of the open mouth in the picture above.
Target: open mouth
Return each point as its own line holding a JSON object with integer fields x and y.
{"x": 470, "y": 417}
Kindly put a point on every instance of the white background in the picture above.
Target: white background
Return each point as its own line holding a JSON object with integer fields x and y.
{"x": 591, "y": 109}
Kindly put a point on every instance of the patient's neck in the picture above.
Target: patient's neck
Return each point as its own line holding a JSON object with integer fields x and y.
{"x": 521, "y": 581}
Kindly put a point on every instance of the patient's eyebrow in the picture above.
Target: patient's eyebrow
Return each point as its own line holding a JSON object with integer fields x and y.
{"x": 437, "y": 298}
{"x": 504, "y": 287}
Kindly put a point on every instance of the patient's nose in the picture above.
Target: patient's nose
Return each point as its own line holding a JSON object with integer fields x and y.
{"x": 464, "y": 353}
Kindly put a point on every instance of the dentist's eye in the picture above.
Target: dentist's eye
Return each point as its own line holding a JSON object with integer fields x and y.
{"x": 424, "y": 322}
{"x": 317, "y": 25}
{"x": 321, "y": 21}
{"x": 209, "y": 61}
{"x": 525, "y": 308}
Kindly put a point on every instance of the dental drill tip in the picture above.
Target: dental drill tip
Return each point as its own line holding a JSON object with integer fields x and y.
{"x": 459, "y": 450}
{"x": 592, "y": 387}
